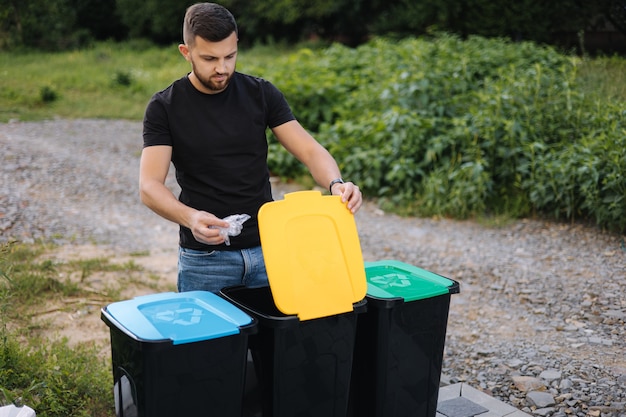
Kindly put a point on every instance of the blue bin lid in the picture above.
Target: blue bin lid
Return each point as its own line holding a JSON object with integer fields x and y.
{"x": 394, "y": 279}
{"x": 180, "y": 317}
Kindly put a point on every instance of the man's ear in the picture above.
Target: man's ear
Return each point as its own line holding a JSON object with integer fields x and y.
{"x": 184, "y": 51}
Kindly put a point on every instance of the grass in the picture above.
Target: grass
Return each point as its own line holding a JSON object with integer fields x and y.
{"x": 604, "y": 77}
{"x": 107, "y": 81}
{"x": 30, "y": 280}
{"x": 49, "y": 374}
{"x": 115, "y": 81}
{"x": 110, "y": 80}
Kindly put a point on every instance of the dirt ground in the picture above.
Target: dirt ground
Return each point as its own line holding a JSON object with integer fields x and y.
{"x": 79, "y": 320}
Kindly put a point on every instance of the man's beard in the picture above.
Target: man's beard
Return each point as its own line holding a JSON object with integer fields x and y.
{"x": 209, "y": 84}
{"x": 215, "y": 86}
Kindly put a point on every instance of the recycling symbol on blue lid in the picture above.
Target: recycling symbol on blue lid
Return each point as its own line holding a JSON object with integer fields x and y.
{"x": 182, "y": 316}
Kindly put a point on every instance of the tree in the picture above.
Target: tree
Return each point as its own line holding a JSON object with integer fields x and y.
{"x": 43, "y": 24}
{"x": 616, "y": 13}
{"x": 100, "y": 18}
{"x": 61, "y": 24}
{"x": 158, "y": 20}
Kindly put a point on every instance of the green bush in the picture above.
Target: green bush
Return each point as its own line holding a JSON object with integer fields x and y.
{"x": 432, "y": 126}
{"x": 48, "y": 94}
{"x": 461, "y": 127}
{"x": 585, "y": 179}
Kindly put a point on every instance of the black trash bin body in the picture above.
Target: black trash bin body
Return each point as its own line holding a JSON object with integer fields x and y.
{"x": 307, "y": 317}
{"x": 400, "y": 341}
{"x": 178, "y": 354}
{"x": 303, "y": 367}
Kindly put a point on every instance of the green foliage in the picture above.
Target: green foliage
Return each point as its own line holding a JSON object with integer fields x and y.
{"x": 43, "y": 24}
{"x": 123, "y": 78}
{"x": 53, "y": 378}
{"x": 462, "y": 128}
{"x": 158, "y": 20}
{"x": 68, "y": 24}
{"x": 431, "y": 126}
{"x": 47, "y": 94}
{"x": 586, "y": 178}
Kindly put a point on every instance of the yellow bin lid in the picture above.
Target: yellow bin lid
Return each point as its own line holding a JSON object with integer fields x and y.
{"x": 312, "y": 255}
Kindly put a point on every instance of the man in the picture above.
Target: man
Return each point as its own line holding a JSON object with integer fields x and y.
{"x": 211, "y": 124}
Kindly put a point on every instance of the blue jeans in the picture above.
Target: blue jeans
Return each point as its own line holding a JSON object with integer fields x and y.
{"x": 212, "y": 271}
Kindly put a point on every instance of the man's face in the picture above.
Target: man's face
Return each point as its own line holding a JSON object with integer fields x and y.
{"x": 212, "y": 63}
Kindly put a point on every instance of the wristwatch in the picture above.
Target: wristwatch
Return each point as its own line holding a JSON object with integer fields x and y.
{"x": 333, "y": 182}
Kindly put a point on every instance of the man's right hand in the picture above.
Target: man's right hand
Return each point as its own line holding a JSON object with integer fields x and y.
{"x": 205, "y": 228}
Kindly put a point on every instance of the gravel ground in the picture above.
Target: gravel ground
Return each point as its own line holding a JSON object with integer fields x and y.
{"x": 539, "y": 323}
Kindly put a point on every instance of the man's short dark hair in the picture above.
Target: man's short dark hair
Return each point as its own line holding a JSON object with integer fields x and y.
{"x": 210, "y": 21}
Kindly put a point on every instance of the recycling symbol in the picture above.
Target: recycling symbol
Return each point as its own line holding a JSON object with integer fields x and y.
{"x": 183, "y": 316}
{"x": 392, "y": 280}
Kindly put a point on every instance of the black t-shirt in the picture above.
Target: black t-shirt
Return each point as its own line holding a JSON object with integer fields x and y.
{"x": 219, "y": 148}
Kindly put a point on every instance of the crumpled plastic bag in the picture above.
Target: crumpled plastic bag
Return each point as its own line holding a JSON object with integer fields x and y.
{"x": 17, "y": 411}
{"x": 235, "y": 222}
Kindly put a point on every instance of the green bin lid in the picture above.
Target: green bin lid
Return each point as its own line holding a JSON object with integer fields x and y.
{"x": 393, "y": 279}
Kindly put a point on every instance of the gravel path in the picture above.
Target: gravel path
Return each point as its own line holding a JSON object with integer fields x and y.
{"x": 539, "y": 323}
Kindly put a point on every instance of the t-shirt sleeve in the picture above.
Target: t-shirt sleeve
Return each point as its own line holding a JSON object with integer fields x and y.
{"x": 156, "y": 128}
{"x": 279, "y": 111}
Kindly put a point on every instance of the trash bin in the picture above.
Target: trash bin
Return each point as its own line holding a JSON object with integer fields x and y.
{"x": 176, "y": 354}
{"x": 303, "y": 368}
{"x": 400, "y": 341}
{"x": 307, "y": 317}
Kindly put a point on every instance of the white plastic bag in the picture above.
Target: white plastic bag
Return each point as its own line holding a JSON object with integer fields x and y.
{"x": 235, "y": 222}
{"x": 13, "y": 411}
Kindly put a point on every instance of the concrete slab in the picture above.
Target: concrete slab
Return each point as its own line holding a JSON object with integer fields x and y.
{"x": 460, "y": 407}
{"x": 477, "y": 402}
